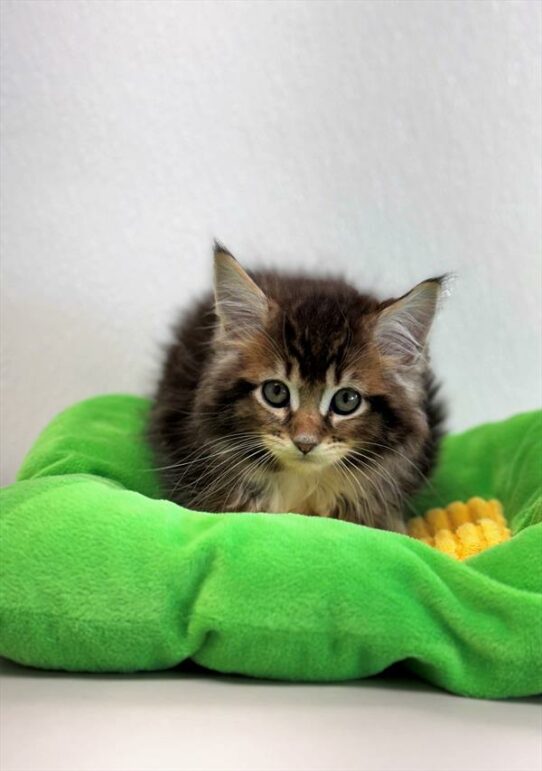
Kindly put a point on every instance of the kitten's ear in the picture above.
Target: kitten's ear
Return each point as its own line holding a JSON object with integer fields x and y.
{"x": 402, "y": 327}
{"x": 239, "y": 302}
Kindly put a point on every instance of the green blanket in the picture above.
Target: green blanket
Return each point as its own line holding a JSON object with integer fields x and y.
{"x": 99, "y": 575}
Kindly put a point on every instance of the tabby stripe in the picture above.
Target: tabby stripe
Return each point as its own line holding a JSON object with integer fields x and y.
{"x": 239, "y": 390}
{"x": 382, "y": 405}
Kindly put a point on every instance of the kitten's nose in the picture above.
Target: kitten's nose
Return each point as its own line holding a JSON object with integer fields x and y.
{"x": 305, "y": 443}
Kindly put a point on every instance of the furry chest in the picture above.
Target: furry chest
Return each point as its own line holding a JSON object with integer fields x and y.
{"x": 304, "y": 493}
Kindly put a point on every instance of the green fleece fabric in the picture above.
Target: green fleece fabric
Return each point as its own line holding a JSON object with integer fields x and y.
{"x": 99, "y": 575}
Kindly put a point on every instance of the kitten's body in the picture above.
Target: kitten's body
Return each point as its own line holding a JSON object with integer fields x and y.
{"x": 221, "y": 447}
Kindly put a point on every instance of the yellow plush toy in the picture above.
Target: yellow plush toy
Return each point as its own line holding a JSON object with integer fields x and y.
{"x": 462, "y": 529}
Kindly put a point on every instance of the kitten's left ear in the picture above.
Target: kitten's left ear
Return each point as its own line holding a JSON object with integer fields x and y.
{"x": 402, "y": 327}
{"x": 239, "y": 302}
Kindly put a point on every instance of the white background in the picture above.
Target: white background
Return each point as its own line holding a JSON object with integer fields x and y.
{"x": 388, "y": 140}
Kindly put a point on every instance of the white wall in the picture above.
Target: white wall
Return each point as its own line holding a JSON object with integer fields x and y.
{"x": 390, "y": 140}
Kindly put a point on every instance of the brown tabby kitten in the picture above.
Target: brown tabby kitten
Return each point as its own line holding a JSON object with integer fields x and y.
{"x": 294, "y": 394}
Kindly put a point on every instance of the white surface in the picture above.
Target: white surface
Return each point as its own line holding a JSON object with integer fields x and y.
{"x": 186, "y": 722}
{"x": 390, "y": 140}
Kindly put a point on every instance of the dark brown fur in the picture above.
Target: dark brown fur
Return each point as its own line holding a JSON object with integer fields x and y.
{"x": 205, "y": 400}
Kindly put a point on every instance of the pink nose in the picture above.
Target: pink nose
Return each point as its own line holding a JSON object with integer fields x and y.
{"x": 305, "y": 444}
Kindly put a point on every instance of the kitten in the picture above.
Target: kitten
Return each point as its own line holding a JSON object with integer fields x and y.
{"x": 288, "y": 393}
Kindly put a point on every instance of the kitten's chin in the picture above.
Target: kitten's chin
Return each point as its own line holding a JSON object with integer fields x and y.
{"x": 301, "y": 466}
{"x": 305, "y": 464}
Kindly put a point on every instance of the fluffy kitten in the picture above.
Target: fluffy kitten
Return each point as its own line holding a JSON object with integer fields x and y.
{"x": 295, "y": 394}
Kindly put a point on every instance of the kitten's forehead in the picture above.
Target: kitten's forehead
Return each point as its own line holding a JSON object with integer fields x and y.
{"x": 291, "y": 371}
{"x": 316, "y": 342}
{"x": 316, "y": 338}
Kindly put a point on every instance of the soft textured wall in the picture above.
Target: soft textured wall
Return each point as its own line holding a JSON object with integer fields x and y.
{"x": 388, "y": 140}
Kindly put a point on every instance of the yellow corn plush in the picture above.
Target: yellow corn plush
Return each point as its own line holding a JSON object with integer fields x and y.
{"x": 462, "y": 529}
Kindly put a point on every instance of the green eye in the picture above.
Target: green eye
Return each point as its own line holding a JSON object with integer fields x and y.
{"x": 275, "y": 393}
{"x": 345, "y": 401}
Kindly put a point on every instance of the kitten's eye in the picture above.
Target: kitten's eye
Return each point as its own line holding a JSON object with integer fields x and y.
{"x": 276, "y": 393}
{"x": 345, "y": 401}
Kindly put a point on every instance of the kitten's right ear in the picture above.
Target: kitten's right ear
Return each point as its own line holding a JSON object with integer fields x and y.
{"x": 239, "y": 303}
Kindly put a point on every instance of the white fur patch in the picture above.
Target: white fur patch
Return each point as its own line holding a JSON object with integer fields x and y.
{"x": 312, "y": 492}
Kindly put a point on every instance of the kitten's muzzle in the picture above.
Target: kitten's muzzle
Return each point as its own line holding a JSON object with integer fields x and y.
{"x": 305, "y": 443}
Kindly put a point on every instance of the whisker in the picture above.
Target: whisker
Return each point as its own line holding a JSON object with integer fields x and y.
{"x": 248, "y": 444}
{"x": 405, "y": 458}
{"x": 218, "y": 485}
{"x": 250, "y": 472}
{"x": 401, "y": 500}
{"x": 381, "y": 495}
{"x": 396, "y": 451}
{"x": 368, "y": 516}
{"x": 201, "y": 448}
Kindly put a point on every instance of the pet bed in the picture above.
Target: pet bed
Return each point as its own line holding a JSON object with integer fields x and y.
{"x": 100, "y": 575}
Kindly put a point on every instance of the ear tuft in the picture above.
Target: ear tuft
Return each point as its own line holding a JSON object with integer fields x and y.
{"x": 219, "y": 247}
{"x": 240, "y": 304}
{"x": 402, "y": 327}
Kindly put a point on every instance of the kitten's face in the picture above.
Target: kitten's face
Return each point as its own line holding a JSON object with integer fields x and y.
{"x": 326, "y": 379}
{"x": 307, "y": 424}
{"x": 310, "y": 425}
